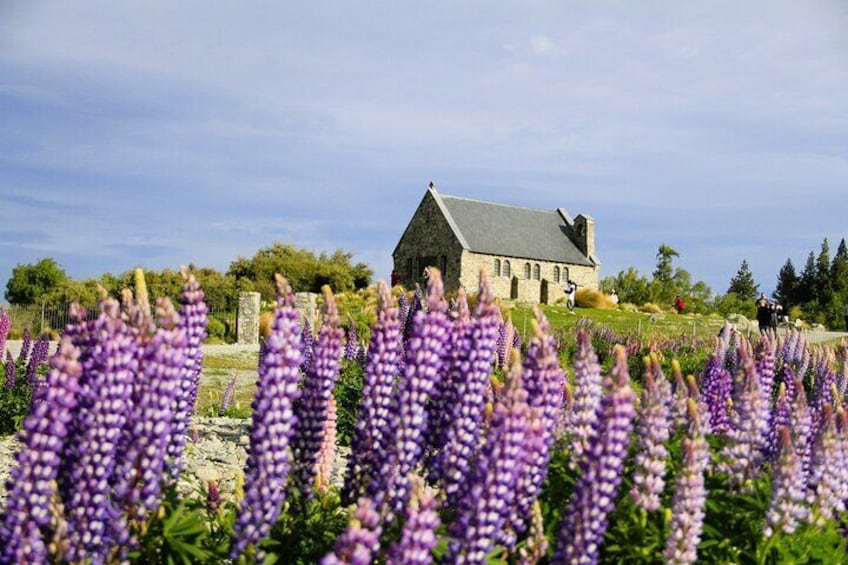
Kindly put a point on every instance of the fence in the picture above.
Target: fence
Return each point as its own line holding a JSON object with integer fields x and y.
{"x": 52, "y": 319}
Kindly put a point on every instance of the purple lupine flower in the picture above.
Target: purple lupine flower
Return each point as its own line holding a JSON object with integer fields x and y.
{"x": 26, "y": 347}
{"x": 781, "y": 416}
{"x": 193, "y": 320}
{"x": 370, "y": 443}
{"x": 352, "y": 344}
{"x": 802, "y": 428}
{"x": 4, "y": 330}
{"x": 823, "y": 383}
{"x": 536, "y": 545}
{"x": 786, "y": 509}
{"x": 545, "y": 381}
{"x": 826, "y": 472}
{"x": 716, "y": 388}
{"x": 11, "y": 370}
{"x": 416, "y": 305}
{"x": 32, "y": 483}
{"x": 418, "y": 538}
{"x": 463, "y": 435}
{"x": 765, "y": 365}
{"x": 501, "y": 345}
{"x": 588, "y": 391}
{"x": 842, "y": 453}
{"x": 423, "y": 364}
{"x": 40, "y": 352}
{"x": 516, "y": 341}
{"x": 842, "y": 370}
{"x": 403, "y": 309}
{"x": 359, "y": 544}
{"x": 652, "y": 431}
{"x": 585, "y": 520}
{"x": 318, "y": 385}
{"x": 747, "y": 433}
{"x": 229, "y": 393}
{"x": 272, "y": 427}
{"x": 163, "y": 358}
{"x": 687, "y": 514}
{"x": 213, "y": 497}
{"x": 689, "y": 499}
{"x": 680, "y": 396}
{"x": 489, "y": 491}
{"x": 109, "y": 368}
{"x": 308, "y": 340}
{"x": 447, "y": 390}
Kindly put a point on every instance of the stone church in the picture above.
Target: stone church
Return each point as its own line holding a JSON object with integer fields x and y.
{"x": 529, "y": 254}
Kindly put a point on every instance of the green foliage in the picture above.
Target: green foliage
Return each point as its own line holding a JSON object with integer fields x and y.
{"x": 303, "y": 270}
{"x": 348, "y": 393}
{"x": 307, "y": 529}
{"x": 731, "y": 303}
{"x": 786, "y": 291}
{"x": 29, "y": 283}
{"x": 215, "y": 329}
{"x": 743, "y": 284}
{"x": 14, "y": 401}
{"x": 630, "y": 286}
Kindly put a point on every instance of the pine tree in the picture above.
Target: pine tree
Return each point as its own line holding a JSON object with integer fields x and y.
{"x": 807, "y": 282}
{"x": 743, "y": 283}
{"x": 824, "y": 288}
{"x": 786, "y": 292}
{"x": 839, "y": 274}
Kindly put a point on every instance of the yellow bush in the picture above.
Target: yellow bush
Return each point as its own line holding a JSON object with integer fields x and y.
{"x": 650, "y": 308}
{"x": 589, "y": 298}
{"x": 628, "y": 307}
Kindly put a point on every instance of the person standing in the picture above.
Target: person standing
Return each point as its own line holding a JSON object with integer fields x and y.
{"x": 763, "y": 313}
{"x": 570, "y": 294}
{"x": 679, "y": 305}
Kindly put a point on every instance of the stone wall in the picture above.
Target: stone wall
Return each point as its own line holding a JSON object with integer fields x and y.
{"x": 528, "y": 290}
{"x": 247, "y": 326}
{"x": 428, "y": 240}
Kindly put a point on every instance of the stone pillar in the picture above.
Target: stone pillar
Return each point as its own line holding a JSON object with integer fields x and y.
{"x": 306, "y": 304}
{"x": 247, "y": 326}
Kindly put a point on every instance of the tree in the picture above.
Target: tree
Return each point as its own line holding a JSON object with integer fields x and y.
{"x": 629, "y": 285}
{"x": 743, "y": 283}
{"x": 664, "y": 272}
{"x": 786, "y": 291}
{"x": 839, "y": 273}
{"x": 663, "y": 287}
{"x": 807, "y": 281}
{"x": 823, "y": 286}
{"x": 29, "y": 283}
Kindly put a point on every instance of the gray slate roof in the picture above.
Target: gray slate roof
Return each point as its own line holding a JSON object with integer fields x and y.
{"x": 499, "y": 229}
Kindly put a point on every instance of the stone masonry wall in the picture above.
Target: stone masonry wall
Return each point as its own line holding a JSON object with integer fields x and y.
{"x": 247, "y": 325}
{"x": 428, "y": 235}
{"x": 529, "y": 290}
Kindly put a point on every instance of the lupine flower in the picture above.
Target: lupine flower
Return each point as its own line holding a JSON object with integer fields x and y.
{"x": 213, "y": 497}
{"x": 488, "y": 494}
{"x": 786, "y": 509}
{"x": 327, "y": 453}
{"x": 842, "y": 453}
{"x": 370, "y": 443}
{"x": 351, "y": 345}
{"x": 748, "y": 429}
{"x": 109, "y": 367}
{"x": 587, "y": 396}
{"x": 359, "y": 544}
{"x": 423, "y": 364}
{"x": 827, "y": 471}
{"x": 585, "y": 520}
{"x": 40, "y": 352}
{"x": 516, "y": 341}
{"x": 544, "y": 380}
{"x": 765, "y": 365}
{"x": 272, "y": 427}
{"x": 716, "y": 387}
{"x": 403, "y": 310}
{"x": 32, "y": 482}
{"x": 476, "y": 357}
{"x": 26, "y": 346}
{"x": 447, "y": 389}
{"x": 536, "y": 545}
{"x": 802, "y": 428}
{"x": 416, "y": 305}
{"x": 193, "y": 320}
{"x": 308, "y": 340}
{"x": 150, "y": 423}
{"x": 781, "y": 416}
{"x": 680, "y": 396}
{"x": 11, "y": 370}
{"x": 652, "y": 431}
{"x": 318, "y": 385}
{"x": 687, "y": 512}
{"x": 419, "y": 530}
{"x": 229, "y": 392}
{"x": 4, "y": 330}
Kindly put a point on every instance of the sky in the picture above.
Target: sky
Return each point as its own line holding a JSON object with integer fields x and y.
{"x": 162, "y": 133}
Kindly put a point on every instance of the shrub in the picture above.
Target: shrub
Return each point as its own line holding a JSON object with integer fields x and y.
{"x": 650, "y": 308}
{"x": 590, "y": 298}
{"x": 216, "y": 330}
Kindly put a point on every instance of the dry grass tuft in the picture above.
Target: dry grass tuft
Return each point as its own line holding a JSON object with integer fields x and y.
{"x": 650, "y": 308}
{"x": 589, "y": 298}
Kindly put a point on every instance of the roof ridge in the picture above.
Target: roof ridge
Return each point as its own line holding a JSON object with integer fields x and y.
{"x": 554, "y": 211}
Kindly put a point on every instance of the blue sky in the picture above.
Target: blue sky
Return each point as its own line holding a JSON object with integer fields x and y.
{"x": 163, "y": 133}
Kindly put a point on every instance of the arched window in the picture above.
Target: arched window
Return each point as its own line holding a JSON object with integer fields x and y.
{"x": 497, "y": 267}
{"x": 506, "y": 272}
{"x": 537, "y": 271}
{"x": 526, "y": 270}
{"x": 556, "y": 274}
{"x": 565, "y": 274}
